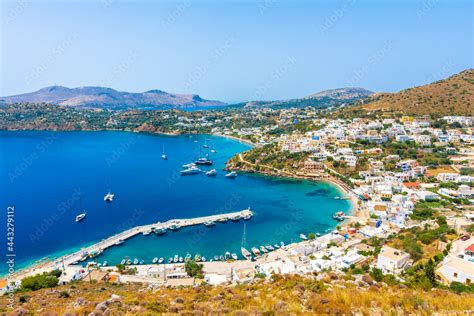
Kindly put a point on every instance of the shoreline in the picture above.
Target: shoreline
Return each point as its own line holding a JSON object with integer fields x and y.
{"x": 37, "y": 264}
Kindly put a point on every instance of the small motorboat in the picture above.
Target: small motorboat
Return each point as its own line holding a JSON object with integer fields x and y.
{"x": 123, "y": 261}
{"x": 80, "y": 217}
{"x": 109, "y": 197}
{"x": 181, "y": 259}
{"x": 161, "y": 260}
{"x": 231, "y": 175}
{"x": 234, "y": 256}
{"x": 303, "y": 236}
{"x": 203, "y": 259}
{"x": 129, "y": 261}
{"x": 209, "y": 223}
{"x": 269, "y": 247}
{"x": 221, "y": 258}
{"x": 227, "y": 255}
{"x": 135, "y": 261}
{"x": 155, "y": 260}
{"x": 170, "y": 260}
{"x": 104, "y": 264}
{"x": 216, "y": 258}
{"x": 263, "y": 249}
{"x": 142, "y": 262}
{"x": 276, "y": 246}
{"x": 211, "y": 173}
{"x": 119, "y": 242}
{"x": 175, "y": 259}
{"x": 255, "y": 251}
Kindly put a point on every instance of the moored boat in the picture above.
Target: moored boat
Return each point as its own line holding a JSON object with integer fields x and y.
{"x": 211, "y": 173}
{"x": 109, "y": 197}
{"x": 190, "y": 171}
{"x": 231, "y": 175}
{"x": 263, "y": 249}
{"x": 255, "y": 251}
{"x": 246, "y": 253}
{"x": 80, "y": 217}
{"x": 155, "y": 260}
{"x": 161, "y": 260}
{"x": 209, "y": 223}
{"x": 234, "y": 256}
{"x": 303, "y": 236}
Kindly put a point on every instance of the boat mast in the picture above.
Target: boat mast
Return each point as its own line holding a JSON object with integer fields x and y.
{"x": 243, "y": 236}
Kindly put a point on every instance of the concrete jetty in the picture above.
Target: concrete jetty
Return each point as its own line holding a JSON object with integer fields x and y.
{"x": 113, "y": 240}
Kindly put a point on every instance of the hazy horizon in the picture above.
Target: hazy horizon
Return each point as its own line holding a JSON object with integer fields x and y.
{"x": 233, "y": 51}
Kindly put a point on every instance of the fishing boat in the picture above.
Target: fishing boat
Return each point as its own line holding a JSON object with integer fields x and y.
{"x": 119, "y": 242}
{"x": 269, "y": 247}
{"x": 255, "y": 251}
{"x": 142, "y": 261}
{"x": 155, "y": 260}
{"x": 263, "y": 249}
{"x": 276, "y": 246}
{"x": 170, "y": 260}
{"x": 216, "y": 258}
{"x": 84, "y": 255}
{"x": 209, "y": 223}
{"x": 231, "y": 175}
{"x": 160, "y": 231}
{"x": 203, "y": 259}
{"x": 161, "y": 260}
{"x": 248, "y": 216}
{"x": 175, "y": 259}
{"x": 338, "y": 215}
{"x": 80, "y": 217}
{"x": 175, "y": 227}
{"x": 234, "y": 256}
{"x": 146, "y": 232}
{"x": 109, "y": 197}
{"x": 303, "y": 236}
{"x": 221, "y": 258}
{"x": 135, "y": 261}
{"x": 227, "y": 255}
{"x": 190, "y": 171}
{"x": 282, "y": 244}
{"x": 181, "y": 259}
{"x": 123, "y": 261}
{"x": 211, "y": 173}
{"x": 318, "y": 235}
{"x": 95, "y": 253}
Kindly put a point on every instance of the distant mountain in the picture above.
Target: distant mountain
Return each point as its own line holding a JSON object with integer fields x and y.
{"x": 450, "y": 96}
{"x": 323, "y": 99}
{"x": 101, "y": 97}
{"x": 341, "y": 94}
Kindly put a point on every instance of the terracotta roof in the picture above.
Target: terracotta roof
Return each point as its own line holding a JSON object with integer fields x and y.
{"x": 470, "y": 248}
{"x": 411, "y": 184}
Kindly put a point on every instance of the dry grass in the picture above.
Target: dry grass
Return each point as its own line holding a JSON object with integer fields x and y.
{"x": 451, "y": 96}
{"x": 440, "y": 169}
{"x": 286, "y": 295}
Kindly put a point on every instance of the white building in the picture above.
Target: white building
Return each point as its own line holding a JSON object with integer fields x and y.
{"x": 391, "y": 260}
{"x": 456, "y": 269}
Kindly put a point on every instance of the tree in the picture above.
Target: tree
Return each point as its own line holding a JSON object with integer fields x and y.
{"x": 311, "y": 236}
{"x": 193, "y": 269}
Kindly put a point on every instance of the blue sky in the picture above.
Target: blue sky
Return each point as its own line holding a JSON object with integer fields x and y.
{"x": 233, "y": 51}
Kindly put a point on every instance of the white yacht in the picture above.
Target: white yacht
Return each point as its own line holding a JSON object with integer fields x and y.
{"x": 211, "y": 173}
{"x": 231, "y": 175}
{"x": 192, "y": 170}
{"x": 109, "y": 197}
{"x": 80, "y": 217}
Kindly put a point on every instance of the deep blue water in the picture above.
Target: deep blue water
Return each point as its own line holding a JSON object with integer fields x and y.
{"x": 49, "y": 177}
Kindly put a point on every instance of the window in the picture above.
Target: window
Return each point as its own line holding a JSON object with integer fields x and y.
{"x": 468, "y": 281}
{"x": 455, "y": 275}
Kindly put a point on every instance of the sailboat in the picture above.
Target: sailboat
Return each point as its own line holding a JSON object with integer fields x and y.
{"x": 244, "y": 251}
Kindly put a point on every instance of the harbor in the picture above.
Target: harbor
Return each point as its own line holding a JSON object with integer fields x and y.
{"x": 115, "y": 240}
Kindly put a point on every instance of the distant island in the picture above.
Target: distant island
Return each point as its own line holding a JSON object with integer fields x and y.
{"x": 108, "y": 98}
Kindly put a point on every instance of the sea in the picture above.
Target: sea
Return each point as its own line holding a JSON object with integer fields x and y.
{"x": 47, "y": 178}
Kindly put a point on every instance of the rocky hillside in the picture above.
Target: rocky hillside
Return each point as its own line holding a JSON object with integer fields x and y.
{"x": 322, "y": 99}
{"x": 284, "y": 295}
{"x": 450, "y": 96}
{"x": 101, "y": 97}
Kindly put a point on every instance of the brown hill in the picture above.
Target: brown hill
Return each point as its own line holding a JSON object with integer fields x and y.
{"x": 451, "y": 96}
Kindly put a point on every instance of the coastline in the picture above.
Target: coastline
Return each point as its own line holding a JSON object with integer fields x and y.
{"x": 38, "y": 264}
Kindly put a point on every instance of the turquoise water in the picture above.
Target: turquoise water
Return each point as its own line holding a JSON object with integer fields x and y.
{"x": 50, "y": 177}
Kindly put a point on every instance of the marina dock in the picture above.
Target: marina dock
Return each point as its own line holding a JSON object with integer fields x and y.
{"x": 111, "y": 241}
